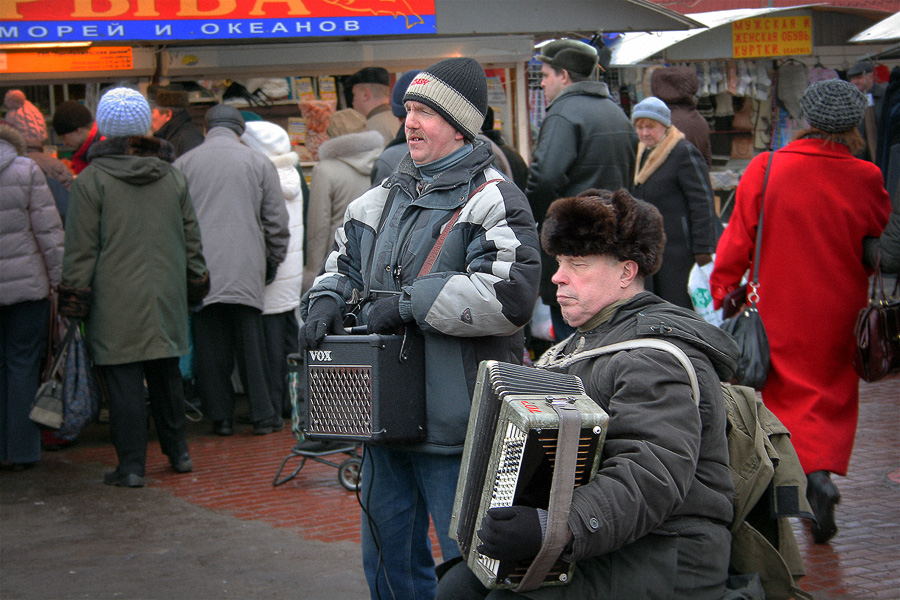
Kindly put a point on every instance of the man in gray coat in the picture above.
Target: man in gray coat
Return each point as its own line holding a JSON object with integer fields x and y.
{"x": 586, "y": 141}
{"x": 244, "y": 224}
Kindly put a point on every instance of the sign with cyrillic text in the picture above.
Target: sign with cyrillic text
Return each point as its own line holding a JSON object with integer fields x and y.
{"x": 23, "y": 21}
{"x": 771, "y": 36}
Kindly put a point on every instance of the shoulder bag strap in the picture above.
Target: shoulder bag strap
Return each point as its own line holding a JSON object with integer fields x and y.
{"x": 753, "y": 295}
{"x": 432, "y": 256}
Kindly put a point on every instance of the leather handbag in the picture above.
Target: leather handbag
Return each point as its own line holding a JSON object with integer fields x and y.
{"x": 47, "y": 408}
{"x": 746, "y": 327}
{"x": 877, "y": 353}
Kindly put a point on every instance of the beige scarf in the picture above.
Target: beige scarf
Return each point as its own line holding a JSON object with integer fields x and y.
{"x": 658, "y": 155}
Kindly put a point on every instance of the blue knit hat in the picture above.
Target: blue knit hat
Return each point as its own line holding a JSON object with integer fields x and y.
{"x": 652, "y": 108}
{"x": 123, "y": 112}
{"x": 398, "y": 108}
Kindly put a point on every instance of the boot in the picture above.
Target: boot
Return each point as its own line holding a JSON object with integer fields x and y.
{"x": 822, "y": 495}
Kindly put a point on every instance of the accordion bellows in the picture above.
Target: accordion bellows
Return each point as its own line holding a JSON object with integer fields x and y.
{"x": 510, "y": 456}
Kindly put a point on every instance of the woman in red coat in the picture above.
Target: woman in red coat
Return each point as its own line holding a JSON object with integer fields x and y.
{"x": 820, "y": 203}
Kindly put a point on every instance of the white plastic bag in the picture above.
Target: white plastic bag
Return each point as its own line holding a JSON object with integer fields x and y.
{"x": 701, "y": 298}
{"x": 541, "y": 324}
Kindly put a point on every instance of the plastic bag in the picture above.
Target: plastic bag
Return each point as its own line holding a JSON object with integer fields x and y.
{"x": 541, "y": 324}
{"x": 701, "y": 298}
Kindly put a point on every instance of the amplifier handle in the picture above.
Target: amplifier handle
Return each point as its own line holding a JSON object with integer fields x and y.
{"x": 561, "y": 489}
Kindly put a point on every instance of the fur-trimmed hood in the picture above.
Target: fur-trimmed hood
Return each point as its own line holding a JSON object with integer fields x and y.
{"x": 10, "y": 134}
{"x": 136, "y": 159}
{"x": 359, "y": 150}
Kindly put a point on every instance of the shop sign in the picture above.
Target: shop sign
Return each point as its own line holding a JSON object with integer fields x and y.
{"x": 24, "y": 21}
{"x": 771, "y": 36}
{"x": 106, "y": 58}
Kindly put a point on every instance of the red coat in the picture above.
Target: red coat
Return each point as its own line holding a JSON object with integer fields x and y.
{"x": 820, "y": 204}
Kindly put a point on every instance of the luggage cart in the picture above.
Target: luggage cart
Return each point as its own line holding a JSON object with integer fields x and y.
{"x": 348, "y": 470}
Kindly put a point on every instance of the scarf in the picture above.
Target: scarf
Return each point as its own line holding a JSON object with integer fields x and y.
{"x": 656, "y": 155}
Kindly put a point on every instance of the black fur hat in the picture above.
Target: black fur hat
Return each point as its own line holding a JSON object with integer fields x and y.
{"x": 600, "y": 222}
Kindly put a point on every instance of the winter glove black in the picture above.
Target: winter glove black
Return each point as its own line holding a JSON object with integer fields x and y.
{"x": 512, "y": 533}
{"x": 384, "y": 317}
{"x": 324, "y": 317}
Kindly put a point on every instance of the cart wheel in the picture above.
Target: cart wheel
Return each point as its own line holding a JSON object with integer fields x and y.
{"x": 348, "y": 473}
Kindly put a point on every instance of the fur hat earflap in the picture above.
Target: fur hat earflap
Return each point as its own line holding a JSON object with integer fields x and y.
{"x": 604, "y": 223}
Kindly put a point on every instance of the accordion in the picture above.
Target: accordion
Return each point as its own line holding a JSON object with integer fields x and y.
{"x": 366, "y": 388}
{"x": 510, "y": 457}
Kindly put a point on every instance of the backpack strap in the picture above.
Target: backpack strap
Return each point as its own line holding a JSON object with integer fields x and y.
{"x": 557, "y": 362}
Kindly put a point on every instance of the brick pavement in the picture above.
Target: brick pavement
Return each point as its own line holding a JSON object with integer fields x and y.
{"x": 234, "y": 475}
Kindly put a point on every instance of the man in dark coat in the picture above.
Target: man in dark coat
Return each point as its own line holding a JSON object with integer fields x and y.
{"x": 653, "y": 523}
{"x": 172, "y": 121}
{"x": 586, "y": 141}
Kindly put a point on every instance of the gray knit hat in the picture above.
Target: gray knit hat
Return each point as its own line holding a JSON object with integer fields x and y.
{"x": 572, "y": 55}
{"x": 457, "y": 89}
{"x": 224, "y": 115}
{"x": 833, "y": 105}
{"x": 123, "y": 112}
{"x": 652, "y": 108}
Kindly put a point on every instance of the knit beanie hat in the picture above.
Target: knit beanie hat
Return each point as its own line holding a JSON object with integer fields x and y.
{"x": 457, "y": 89}
{"x": 268, "y": 138}
{"x": 123, "y": 112}
{"x": 69, "y": 116}
{"x": 572, "y": 55}
{"x": 224, "y": 115}
{"x": 400, "y": 87}
{"x": 652, "y": 108}
{"x": 833, "y": 105}
{"x": 25, "y": 117}
{"x": 604, "y": 223}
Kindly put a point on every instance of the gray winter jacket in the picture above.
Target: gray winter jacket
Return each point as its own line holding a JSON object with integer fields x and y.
{"x": 477, "y": 297}
{"x": 665, "y": 466}
{"x": 243, "y": 220}
{"x": 586, "y": 141}
{"x": 31, "y": 233}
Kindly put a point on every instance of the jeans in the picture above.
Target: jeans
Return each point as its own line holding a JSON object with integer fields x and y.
{"x": 400, "y": 489}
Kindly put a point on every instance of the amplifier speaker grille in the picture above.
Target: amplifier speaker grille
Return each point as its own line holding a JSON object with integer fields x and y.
{"x": 340, "y": 399}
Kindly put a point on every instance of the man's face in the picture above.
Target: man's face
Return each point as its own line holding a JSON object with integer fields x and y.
{"x": 586, "y": 285}
{"x": 552, "y": 82}
{"x": 863, "y": 82}
{"x": 74, "y": 139}
{"x": 428, "y": 134}
{"x": 159, "y": 117}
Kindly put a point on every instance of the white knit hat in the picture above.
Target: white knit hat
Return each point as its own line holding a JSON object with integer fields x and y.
{"x": 123, "y": 112}
{"x": 268, "y": 138}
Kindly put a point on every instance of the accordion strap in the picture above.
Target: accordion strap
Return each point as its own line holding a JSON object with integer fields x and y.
{"x": 561, "y": 488}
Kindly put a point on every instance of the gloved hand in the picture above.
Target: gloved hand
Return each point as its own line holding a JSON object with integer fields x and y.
{"x": 512, "y": 533}
{"x": 384, "y": 316}
{"x": 324, "y": 317}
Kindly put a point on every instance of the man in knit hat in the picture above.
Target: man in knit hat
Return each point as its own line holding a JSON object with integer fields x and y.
{"x": 172, "y": 121}
{"x": 135, "y": 316}
{"x": 586, "y": 141}
{"x": 74, "y": 124}
{"x": 466, "y": 305}
{"x": 370, "y": 92}
{"x": 244, "y": 221}
{"x": 653, "y": 521}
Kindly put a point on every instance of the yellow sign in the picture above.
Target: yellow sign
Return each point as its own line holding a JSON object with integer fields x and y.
{"x": 108, "y": 58}
{"x": 771, "y": 36}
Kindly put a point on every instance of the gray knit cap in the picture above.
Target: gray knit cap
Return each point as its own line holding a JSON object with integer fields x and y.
{"x": 123, "y": 112}
{"x": 833, "y": 105}
{"x": 224, "y": 115}
{"x": 457, "y": 89}
{"x": 652, "y": 108}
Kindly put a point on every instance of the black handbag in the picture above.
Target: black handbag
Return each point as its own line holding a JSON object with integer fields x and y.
{"x": 746, "y": 327}
{"x": 877, "y": 353}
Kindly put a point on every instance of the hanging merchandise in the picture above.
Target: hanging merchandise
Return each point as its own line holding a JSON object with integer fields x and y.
{"x": 792, "y": 82}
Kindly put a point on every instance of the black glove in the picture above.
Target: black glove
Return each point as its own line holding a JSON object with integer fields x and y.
{"x": 511, "y": 533}
{"x": 271, "y": 269}
{"x": 384, "y": 316}
{"x": 324, "y": 317}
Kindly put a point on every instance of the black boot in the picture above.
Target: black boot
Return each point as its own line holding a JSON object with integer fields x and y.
{"x": 822, "y": 495}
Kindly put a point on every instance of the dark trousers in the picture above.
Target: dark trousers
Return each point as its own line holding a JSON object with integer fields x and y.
{"x": 281, "y": 332}
{"x": 23, "y": 342}
{"x": 224, "y": 333}
{"x": 128, "y": 419}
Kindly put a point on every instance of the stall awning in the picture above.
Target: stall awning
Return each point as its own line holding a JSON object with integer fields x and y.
{"x": 887, "y": 30}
